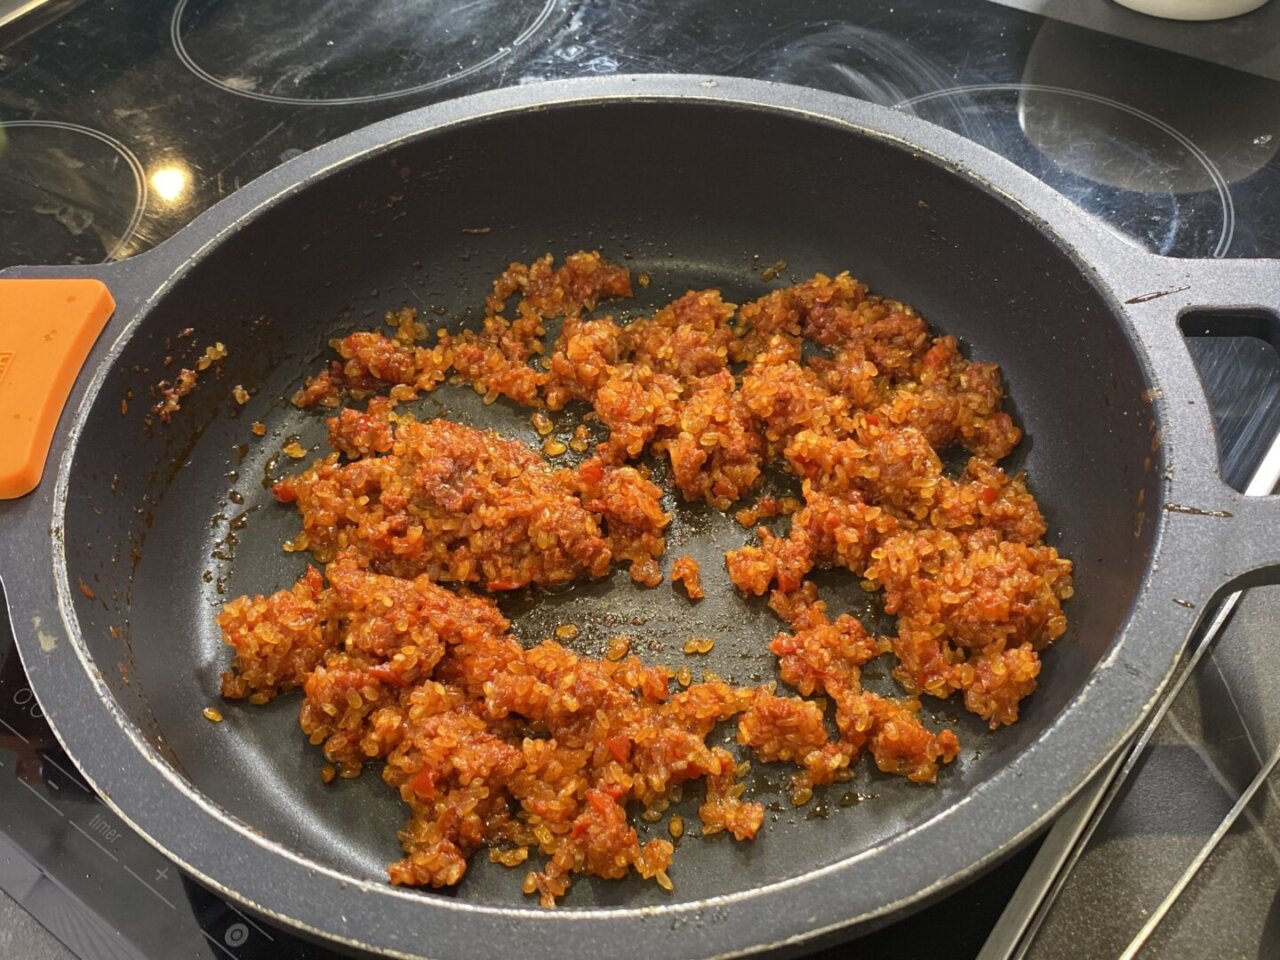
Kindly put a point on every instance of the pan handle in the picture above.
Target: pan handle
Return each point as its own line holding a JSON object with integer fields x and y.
{"x": 1209, "y": 286}
{"x": 1250, "y": 533}
{"x": 1222, "y": 298}
{"x": 1240, "y": 532}
{"x": 50, "y": 318}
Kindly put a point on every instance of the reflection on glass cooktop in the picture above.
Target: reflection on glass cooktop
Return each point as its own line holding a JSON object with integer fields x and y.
{"x": 322, "y": 54}
{"x": 121, "y": 122}
{"x": 177, "y": 104}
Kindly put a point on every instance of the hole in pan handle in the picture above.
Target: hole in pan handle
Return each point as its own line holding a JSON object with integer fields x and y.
{"x": 1226, "y": 541}
{"x": 1234, "y": 298}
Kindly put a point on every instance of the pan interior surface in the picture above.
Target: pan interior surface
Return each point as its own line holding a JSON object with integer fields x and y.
{"x": 164, "y": 523}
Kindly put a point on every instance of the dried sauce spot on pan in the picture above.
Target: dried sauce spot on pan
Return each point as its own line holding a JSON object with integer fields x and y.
{"x": 170, "y": 393}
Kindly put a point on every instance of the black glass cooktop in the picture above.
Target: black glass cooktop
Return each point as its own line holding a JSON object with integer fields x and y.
{"x": 119, "y": 122}
{"x": 122, "y": 121}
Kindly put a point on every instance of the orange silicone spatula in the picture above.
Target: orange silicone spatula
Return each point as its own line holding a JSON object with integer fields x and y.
{"x": 46, "y": 330}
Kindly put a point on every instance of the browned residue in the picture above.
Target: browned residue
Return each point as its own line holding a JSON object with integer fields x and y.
{"x": 1156, "y": 295}
{"x": 171, "y": 392}
{"x": 772, "y": 271}
{"x": 1197, "y": 511}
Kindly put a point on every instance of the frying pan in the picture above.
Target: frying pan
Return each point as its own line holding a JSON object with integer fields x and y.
{"x": 114, "y": 565}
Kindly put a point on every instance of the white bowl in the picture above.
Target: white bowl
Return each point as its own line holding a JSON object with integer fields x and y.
{"x": 1192, "y": 9}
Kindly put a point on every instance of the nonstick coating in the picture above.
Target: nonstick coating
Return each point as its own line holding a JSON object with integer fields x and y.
{"x": 164, "y": 522}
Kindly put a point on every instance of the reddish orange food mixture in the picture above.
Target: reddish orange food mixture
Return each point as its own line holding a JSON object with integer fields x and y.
{"x": 491, "y": 744}
{"x": 686, "y": 571}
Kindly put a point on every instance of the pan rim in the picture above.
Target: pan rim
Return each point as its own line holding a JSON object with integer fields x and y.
{"x": 1049, "y": 212}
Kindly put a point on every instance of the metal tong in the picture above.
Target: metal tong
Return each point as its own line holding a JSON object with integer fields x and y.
{"x": 1026, "y": 911}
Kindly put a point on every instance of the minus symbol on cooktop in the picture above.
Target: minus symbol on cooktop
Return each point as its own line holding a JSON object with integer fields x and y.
{"x": 67, "y": 773}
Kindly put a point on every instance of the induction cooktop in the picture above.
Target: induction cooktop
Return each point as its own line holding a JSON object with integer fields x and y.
{"x": 121, "y": 122}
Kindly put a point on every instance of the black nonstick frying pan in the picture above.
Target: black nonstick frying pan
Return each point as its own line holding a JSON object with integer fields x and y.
{"x": 114, "y": 566}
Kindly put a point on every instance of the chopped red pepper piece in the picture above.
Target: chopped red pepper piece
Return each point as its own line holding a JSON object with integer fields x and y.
{"x": 424, "y": 783}
{"x": 619, "y": 746}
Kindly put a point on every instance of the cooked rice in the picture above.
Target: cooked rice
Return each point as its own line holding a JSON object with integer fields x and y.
{"x": 493, "y": 745}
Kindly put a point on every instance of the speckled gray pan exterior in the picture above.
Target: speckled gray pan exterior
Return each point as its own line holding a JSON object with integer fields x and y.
{"x": 699, "y": 181}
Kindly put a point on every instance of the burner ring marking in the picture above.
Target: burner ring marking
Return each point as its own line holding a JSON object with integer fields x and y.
{"x": 1219, "y": 181}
